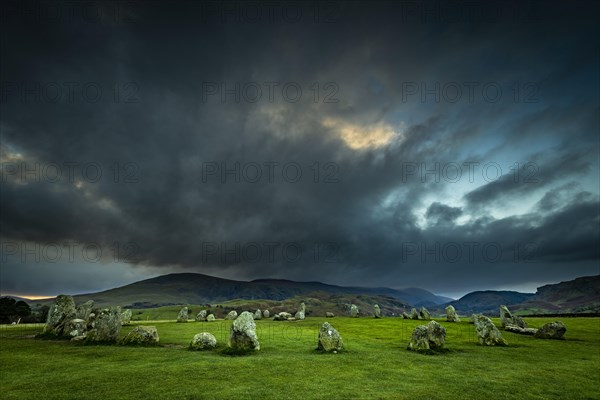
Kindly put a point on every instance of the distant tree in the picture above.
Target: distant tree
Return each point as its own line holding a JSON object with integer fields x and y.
{"x": 7, "y": 309}
{"x": 22, "y": 309}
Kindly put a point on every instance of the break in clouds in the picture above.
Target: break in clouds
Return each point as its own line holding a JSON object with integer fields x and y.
{"x": 375, "y": 145}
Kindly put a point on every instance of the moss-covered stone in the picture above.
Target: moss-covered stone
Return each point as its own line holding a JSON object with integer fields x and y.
{"x": 451, "y": 315}
{"x": 329, "y": 339}
{"x": 552, "y": 330}
{"x": 107, "y": 326}
{"x": 60, "y": 313}
{"x": 426, "y": 338}
{"x": 142, "y": 335}
{"x": 126, "y": 317}
{"x": 242, "y": 335}
{"x": 203, "y": 341}
{"x": 487, "y": 332}
{"x": 377, "y": 311}
{"x": 183, "y": 315}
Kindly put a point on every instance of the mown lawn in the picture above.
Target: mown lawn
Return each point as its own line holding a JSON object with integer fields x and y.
{"x": 376, "y": 365}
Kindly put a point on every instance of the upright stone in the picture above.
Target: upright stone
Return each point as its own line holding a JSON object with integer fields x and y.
{"x": 414, "y": 314}
{"x": 183, "y": 315}
{"x": 300, "y": 314}
{"x": 210, "y": 318}
{"x": 62, "y": 312}
{"x": 75, "y": 327}
{"x": 258, "y": 314}
{"x": 451, "y": 315}
{"x": 377, "y": 311}
{"x": 242, "y": 335}
{"x": 231, "y": 315}
{"x": 424, "y": 314}
{"x": 329, "y": 339}
{"x": 266, "y": 314}
{"x": 107, "y": 326}
{"x": 507, "y": 318}
{"x": 487, "y": 332}
{"x": 405, "y": 315}
{"x": 126, "y": 317}
{"x": 329, "y": 314}
{"x": 551, "y": 330}
{"x": 84, "y": 310}
{"x": 428, "y": 337}
{"x": 201, "y": 315}
{"x": 353, "y": 311}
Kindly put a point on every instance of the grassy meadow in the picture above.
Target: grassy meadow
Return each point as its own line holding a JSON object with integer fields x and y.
{"x": 375, "y": 365}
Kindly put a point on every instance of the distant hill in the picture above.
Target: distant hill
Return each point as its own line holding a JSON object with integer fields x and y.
{"x": 190, "y": 288}
{"x": 577, "y": 296}
{"x": 488, "y": 301}
{"x": 580, "y": 295}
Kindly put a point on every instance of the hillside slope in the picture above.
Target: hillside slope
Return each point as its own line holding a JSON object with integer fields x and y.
{"x": 190, "y": 288}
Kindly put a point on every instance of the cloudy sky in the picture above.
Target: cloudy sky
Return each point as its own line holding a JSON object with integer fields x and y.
{"x": 452, "y": 148}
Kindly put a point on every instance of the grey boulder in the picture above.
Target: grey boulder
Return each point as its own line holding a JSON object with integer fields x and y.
{"x": 487, "y": 333}
{"x": 142, "y": 335}
{"x": 377, "y": 311}
{"x": 428, "y": 337}
{"x": 201, "y": 315}
{"x": 203, "y": 341}
{"x": 329, "y": 339}
{"x": 60, "y": 313}
{"x": 107, "y": 326}
{"x": 231, "y": 315}
{"x": 183, "y": 315}
{"x": 552, "y": 330}
{"x": 451, "y": 315}
{"x": 242, "y": 335}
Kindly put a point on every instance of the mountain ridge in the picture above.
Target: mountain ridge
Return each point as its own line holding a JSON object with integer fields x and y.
{"x": 194, "y": 288}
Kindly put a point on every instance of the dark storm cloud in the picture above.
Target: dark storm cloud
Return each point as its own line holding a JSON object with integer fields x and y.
{"x": 157, "y": 135}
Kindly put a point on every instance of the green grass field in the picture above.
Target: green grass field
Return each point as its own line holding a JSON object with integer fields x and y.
{"x": 376, "y": 364}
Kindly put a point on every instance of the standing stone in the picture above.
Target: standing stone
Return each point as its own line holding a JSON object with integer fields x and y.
{"x": 203, "y": 341}
{"x": 201, "y": 315}
{"x": 301, "y": 312}
{"x": 414, "y": 314}
{"x": 451, "y": 315}
{"x": 329, "y": 339}
{"x": 142, "y": 335}
{"x": 266, "y": 314}
{"x": 242, "y": 335}
{"x": 107, "y": 326}
{"x": 91, "y": 319}
{"x": 487, "y": 332}
{"x": 405, "y": 315}
{"x": 507, "y": 318}
{"x": 126, "y": 317}
{"x": 329, "y": 314}
{"x": 258, "y": 314}
{"x": 353, "y": 311}
{"x": 84, "y": 310}
{"x": 75, "y": 327}
{"x": 428, "y": 337}
{"x": 210, "y": 318}
{"x": 424, "y": 313}
{"x": 62, "y": 312}
{"x": 551, "y": 330}
{"x": 231, "y": 315}
{"x": 377, "y": 311}
{"x": 183, "y": 315}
